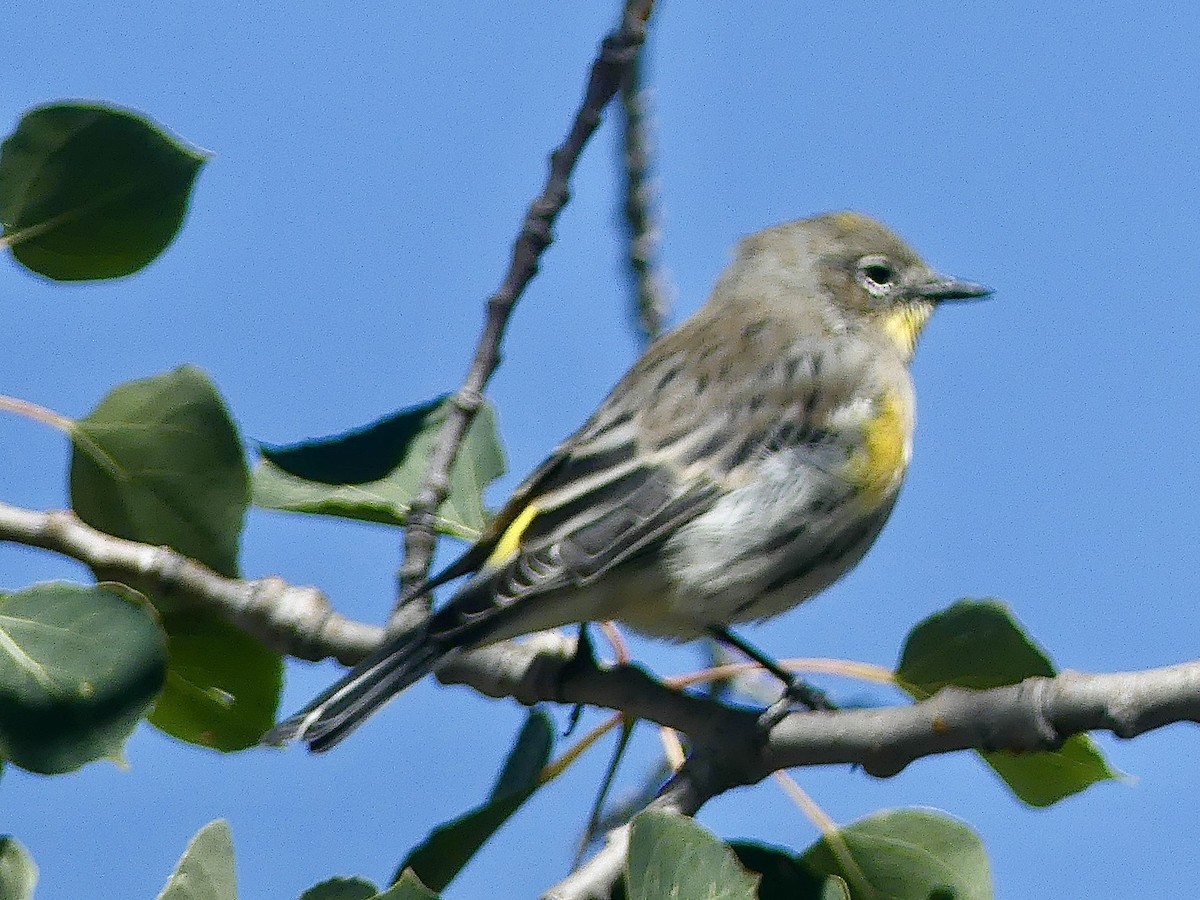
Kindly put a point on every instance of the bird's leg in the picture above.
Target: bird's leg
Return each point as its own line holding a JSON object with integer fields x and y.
{"x": 795, "y": 690}
{"x": 584, "y": 660}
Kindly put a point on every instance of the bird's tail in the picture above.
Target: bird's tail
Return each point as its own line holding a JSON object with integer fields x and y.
{"x": 365, "y": 689}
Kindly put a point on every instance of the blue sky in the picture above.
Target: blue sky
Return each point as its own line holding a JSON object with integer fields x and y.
{"x": 371, "y": 166}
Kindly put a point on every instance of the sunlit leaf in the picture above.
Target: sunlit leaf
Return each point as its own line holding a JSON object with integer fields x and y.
{"x": 978, "y": 644}
{"x": 672, "y": 857}
{"x": 18, "y": 871}
{"x": 373, "y": 473}
{"x": 223, "y": 686}
{"x": 159, "y": 461}
{"x": 205, "y": 871}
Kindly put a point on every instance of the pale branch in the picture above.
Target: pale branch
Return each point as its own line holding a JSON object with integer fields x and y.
{"x": 1037, "y": 714}
{"x": 728, "y": 750}
{"x": 617, "y": 51}
{"x": 298, "y": 621}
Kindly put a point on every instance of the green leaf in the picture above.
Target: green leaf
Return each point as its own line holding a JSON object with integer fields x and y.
{"x": 905, "y": 854}
{"x": 407, "y": 887}
{"x": 88, "y": 191}
{"x": 671, "y": 857}
{"x": 79, "y": 666}
{"x": 18, "y": 871}
{"x": 782, "y": 875}
{"x": 449, "y": 847}
{"x": 341, "y": 889}
{"x": 223, "y": 686}
{"x": 205, "y": 871}
{"x": 159, "y": 461}
{"x": 978, "y": 644}
{"x": 372, "y": 474}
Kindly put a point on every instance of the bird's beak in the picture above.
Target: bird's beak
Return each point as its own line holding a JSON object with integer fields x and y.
{"x": 942, "y": 287}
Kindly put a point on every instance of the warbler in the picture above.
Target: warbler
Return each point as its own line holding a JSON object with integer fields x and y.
{"x": 742, "y": 465}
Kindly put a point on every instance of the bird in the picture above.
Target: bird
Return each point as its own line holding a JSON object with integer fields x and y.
{"x": 744, "y": 463}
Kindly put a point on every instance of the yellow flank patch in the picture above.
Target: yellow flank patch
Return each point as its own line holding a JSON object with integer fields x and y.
{"x": 510, "y": 542}
{"x": 887, "y": 445}
{"x": 904, "y": 323}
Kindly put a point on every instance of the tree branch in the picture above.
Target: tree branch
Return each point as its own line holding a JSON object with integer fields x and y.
{"x": 298, "y": 621}
{"x": 617, "y": 51}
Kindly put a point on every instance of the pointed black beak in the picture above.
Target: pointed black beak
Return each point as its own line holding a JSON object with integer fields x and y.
{"x": 941, "y": 288}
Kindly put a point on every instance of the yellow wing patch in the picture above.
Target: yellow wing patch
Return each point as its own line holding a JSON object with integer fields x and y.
{"x": 887, "y": 445}
{"x": 510, "y": 542}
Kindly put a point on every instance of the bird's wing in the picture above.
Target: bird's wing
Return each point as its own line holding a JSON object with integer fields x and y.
{"x": 687, "y": 424}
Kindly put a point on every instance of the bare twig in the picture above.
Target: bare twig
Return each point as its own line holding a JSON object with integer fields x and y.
{"x": 652, "y": 294}
{"x": 617, "y": 51}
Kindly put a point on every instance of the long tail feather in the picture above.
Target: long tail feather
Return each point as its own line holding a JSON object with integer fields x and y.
{"x": 331, "y": 716}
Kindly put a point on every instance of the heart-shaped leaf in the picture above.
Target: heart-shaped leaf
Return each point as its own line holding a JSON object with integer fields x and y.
{"x": 979, "y": 644}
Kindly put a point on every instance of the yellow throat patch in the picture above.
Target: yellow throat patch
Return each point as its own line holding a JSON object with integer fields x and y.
{"x": 877, "y": 466}
{"x": 903, "y": 324}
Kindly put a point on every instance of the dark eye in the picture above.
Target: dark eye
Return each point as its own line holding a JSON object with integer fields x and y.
{"x": 880, "y": 274}
{"x": 876, "y": 275}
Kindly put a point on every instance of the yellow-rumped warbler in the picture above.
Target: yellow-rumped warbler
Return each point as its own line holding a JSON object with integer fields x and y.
{"x": 744, "y": 463}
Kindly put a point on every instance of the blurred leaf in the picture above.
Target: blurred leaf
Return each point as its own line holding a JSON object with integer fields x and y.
{"x": 223, "y": 687}
{"x": 673, "y": 857}
{"x": 205, "y": 871}
{"x": 341, "y": 889}
{"x": 373, "y": 473}
{"x": 88, "y": 191}
{"x": 907, "y": 854}
{"x": 18, "y": 871}
{"x": 978, "y": 645}
{"x": 159, "y": 461}
{"x": 79, "y": 666}
{"x": 449, "y": 847}
{"x": 407, "y": 887}
{"x": 835, "y": 888}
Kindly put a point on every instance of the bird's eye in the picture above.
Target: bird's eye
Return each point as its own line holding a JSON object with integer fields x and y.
{"x": 876, "y": 275}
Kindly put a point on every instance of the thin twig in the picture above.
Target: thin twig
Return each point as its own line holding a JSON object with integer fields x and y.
{"x": 617, "y": 51}
{"x": 652, "y": 294}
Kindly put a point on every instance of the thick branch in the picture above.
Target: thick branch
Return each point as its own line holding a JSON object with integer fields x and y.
{"x": 1037, "y": 714}
{"x": 616, "y": 54}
